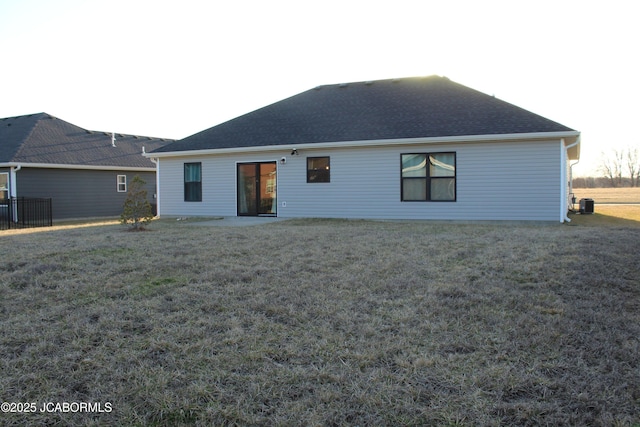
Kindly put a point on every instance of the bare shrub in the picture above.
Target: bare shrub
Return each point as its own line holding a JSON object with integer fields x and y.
{"x": 136, "y": 212}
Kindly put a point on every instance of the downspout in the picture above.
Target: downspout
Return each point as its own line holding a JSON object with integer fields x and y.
{"x": 14, "y": 190}
{"x": 566, "y": 216}
{"x": 571, "y": 179}
{"x": 157, "y": 195}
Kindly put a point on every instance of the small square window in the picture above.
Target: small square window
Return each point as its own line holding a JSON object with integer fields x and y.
{"x": 318, "y": 169}
{"x": 122, "y": 183}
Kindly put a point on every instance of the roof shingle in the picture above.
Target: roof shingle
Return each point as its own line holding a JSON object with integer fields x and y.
{"x": 42, "y": 138}
{"x": 376, "y": 110}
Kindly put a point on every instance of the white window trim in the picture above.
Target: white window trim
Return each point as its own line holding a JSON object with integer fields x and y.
{"x": 8, "y": 185}
{"x": 120, "y": 182}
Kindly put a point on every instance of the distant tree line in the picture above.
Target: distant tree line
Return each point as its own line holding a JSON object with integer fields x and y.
{"x": 621, "y": 168}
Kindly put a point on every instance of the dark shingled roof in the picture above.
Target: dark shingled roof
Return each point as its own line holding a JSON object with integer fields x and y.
{"x": 383, "y": 109}
{"x": 42, "y": 138}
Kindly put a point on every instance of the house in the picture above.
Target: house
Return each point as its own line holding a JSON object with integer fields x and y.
{"x": 85, "y": 173}
{"x": 410, "y": 148}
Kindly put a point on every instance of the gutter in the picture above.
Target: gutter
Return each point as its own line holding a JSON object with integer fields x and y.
{"x": 372, "y": 143}
{"x": 19, "y": 166}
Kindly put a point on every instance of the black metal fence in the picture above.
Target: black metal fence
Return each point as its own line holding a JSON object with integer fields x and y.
{"x": 24, "y": 212}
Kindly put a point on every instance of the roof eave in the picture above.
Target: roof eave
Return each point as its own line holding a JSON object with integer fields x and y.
{"x": 76, "y": 167}
{"x": 567, "y": 135}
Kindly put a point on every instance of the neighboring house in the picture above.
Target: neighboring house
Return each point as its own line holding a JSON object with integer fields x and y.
{"x": 411, "y": 148}
{"x": 85, "y": 173}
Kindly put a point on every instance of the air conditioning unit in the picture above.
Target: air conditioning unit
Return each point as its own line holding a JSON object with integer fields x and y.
{"x": 586, "y": 206}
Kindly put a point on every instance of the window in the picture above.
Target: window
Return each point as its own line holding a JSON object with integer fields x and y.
{"x": 318, "y": 169}
{"x": 122, "y": 183}
{"x": 193, "y": 182}
{"x": 428, "y": 177}
{"x": 4, "y": 186}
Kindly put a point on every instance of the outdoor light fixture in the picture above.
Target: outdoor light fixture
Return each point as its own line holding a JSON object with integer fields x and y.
{"x": 294, "y": 152}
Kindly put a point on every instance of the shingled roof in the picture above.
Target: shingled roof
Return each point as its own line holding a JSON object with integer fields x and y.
{"x": 45, "y": 139}
{"x": 376, "y": 110}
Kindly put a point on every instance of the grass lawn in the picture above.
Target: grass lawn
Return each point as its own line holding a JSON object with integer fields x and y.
{"x": 624, "y": 215}
{"x": 609, "y": 195}
{"x": 325, "y": 322}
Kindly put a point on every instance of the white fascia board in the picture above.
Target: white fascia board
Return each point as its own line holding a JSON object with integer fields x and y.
{"x": 76, "y": 167}
{"x": 373, "y": 143}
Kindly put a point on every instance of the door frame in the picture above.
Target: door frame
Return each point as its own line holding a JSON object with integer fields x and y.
{"x": 257, "y": 165}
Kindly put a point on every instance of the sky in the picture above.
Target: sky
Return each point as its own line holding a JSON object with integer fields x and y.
{"x": 173, "y": 68}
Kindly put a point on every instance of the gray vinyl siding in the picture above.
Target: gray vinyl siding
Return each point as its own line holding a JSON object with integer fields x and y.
{"x": 80, "y": 193}
{"x": 495, "y": 181}
{"x": 218, "y": 185}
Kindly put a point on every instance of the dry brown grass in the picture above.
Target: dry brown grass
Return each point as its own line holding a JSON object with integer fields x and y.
{"x": 324, "y": 322}
{"x": 609, "y": 195}
{"x": 59, "y": 225}
{"x": 609, "y": 215}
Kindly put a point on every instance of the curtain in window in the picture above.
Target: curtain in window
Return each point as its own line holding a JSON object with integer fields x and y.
{"x": 442, "y": 164}
{"x": 414, "y": 173}
{"x": 414, "y": 165}
{"x": 192, "y": 172}
{"x": 192, "y": 182}
{"x": 429, "y": 176}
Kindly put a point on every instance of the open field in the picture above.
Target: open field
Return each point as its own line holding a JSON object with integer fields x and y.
{"x": 325, "y": 322}
{"x": 609, "y": 195}
{"x": 608, "y": 215}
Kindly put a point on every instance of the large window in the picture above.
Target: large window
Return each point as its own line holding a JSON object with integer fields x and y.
{"x": 193, "y": 182}
{"x": 318, "y": 169}
{"x": 428, "y": 177}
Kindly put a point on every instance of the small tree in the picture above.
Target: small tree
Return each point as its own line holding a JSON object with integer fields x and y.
{"x": 611, "y": 167}
{"x": 633, "y": 166}
{"x": 136, "y": 212}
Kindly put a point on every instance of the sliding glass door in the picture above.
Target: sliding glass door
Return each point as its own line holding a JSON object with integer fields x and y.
{"x": 257, "y": 189}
